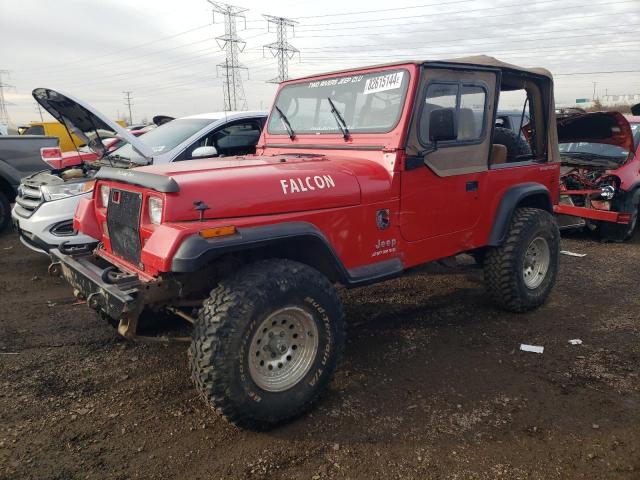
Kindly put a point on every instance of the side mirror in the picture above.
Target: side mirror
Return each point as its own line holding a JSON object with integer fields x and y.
{"x": 635, "y": 109}
{"x": 202, "y": 152}
{"x": 442, "y": 125}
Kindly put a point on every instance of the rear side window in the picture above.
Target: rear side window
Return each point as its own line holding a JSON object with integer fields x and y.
{"x": 34, "y": 130}
{"x": 469, "y": 101}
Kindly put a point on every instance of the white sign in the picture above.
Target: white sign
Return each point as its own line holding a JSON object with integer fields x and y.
{"x": 383, "y": 83}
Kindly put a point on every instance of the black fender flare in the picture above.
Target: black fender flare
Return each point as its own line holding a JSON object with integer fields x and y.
{"x": 524, "y": 195}
{"x": 195, "y": 251}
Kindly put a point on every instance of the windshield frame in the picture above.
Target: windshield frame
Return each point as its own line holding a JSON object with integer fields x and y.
{"x": 343, "y": 74}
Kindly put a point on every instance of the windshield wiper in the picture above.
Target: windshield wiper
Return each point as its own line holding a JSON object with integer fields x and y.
{"x": 286, "y": 123}
{"x": 342, "y": 125}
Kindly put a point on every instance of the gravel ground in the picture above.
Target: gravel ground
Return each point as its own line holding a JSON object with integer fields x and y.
{"x": 433, "y": 385}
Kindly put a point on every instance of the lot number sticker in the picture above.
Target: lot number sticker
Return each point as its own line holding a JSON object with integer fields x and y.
{"x": 383, "y": 83}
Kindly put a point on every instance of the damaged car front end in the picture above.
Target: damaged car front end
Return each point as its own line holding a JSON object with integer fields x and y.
{"x": 600, "y": 176}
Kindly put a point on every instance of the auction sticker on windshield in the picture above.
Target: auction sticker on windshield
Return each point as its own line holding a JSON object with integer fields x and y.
{"x": 383, "y": 83}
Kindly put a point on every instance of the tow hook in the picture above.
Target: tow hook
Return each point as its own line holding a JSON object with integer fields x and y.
{"x": 55, "y": 269}
{"x": 93, "y": 300}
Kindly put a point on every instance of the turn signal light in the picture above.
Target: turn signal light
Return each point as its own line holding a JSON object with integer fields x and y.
{"x": 217, "y": 232}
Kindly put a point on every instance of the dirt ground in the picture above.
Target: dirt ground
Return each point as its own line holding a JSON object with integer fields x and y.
{"x": 433, "y": 385}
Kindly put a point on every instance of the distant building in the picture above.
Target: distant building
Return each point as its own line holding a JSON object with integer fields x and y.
{"x": 611, "y": 100}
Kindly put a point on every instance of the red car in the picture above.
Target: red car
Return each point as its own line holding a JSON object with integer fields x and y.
{"x": 61, "y": 160}
{"x": 600, "y": 184}
{"x": 359, "y": 176}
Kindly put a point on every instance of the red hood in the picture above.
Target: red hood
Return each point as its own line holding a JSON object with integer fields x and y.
{"x": 261, "y": 185}
{"x": 597, "y": 127}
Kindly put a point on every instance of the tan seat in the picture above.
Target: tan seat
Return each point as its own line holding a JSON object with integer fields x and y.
{"x": 498, "y": 154}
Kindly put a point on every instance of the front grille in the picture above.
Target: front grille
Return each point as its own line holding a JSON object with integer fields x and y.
{"x": 28, "y": 200}
{"x": 123, "y": 222}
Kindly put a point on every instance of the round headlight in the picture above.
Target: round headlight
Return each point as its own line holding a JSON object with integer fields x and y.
{"x": 607, "y": 192}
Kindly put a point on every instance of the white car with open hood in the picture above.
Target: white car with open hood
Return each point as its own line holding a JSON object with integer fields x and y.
{"x": 46, "y": 202}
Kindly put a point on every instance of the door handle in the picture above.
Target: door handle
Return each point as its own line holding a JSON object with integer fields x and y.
{"x": 472, "y": 186}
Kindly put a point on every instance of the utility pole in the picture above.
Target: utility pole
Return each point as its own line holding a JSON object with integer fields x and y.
{"x": 232, "y": 89}
{"x": 4, "y": 114}
{"x": 127, "y": 102}
{"x": 281, "y": 49}
{"x": 594, "y": 91}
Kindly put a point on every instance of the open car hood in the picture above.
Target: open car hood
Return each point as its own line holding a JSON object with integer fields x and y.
{"x": 86, "y": 122}
{"x": 610, "y": 128}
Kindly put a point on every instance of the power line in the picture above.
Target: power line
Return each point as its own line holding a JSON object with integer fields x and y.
{"x": 233, "y": 91}
{"x": 362, "y": 12}
{"x": 430, "y": 21}
{"x": 281, "y": 48}
{"x": 127, "y": 102}
{"x": 115, "y": 52}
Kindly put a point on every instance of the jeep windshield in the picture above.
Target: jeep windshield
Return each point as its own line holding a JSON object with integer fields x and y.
{"x": 164, "y": 138}
{"x": 368, "y": 103}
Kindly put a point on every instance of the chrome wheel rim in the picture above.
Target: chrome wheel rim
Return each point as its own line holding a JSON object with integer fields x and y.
{"x": 536, "y": 263}
{"x": 283, "y": 349}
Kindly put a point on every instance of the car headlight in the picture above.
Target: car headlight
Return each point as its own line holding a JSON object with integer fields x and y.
{"x": 608, "y": 192}
{"x": 64, "y": 190}
{"x": 155, "y": 210}
{"x": 104, "y": 195}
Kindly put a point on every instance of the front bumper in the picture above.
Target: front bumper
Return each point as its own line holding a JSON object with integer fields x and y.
{"x": 106, "y": 289}
{"x": 39, "y": 231}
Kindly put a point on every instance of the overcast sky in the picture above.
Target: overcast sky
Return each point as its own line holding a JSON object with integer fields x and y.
{"x": 165, "y": 52}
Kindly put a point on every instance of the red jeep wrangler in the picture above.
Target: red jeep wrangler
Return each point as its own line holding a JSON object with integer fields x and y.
{"x": 360, "y": 175}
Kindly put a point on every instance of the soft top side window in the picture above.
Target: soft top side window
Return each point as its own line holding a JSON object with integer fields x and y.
{"x": 469, "y": 102}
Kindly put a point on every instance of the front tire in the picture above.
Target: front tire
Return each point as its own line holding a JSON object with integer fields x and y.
{"x": 521, "y": 272}
{"x": 267, "y": 342}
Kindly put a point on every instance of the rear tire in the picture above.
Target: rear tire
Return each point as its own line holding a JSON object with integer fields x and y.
{"x": 266, "y": 343}
{"x": 5, "y": 212}
{"x": 521, "y": 272}
{"x": 516, "y": 145}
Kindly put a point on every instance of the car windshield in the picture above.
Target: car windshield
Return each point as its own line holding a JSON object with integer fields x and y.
{"x": 611, "y": 152}
{"x": 165, "y": 137}
{"x": 368, "y": 103}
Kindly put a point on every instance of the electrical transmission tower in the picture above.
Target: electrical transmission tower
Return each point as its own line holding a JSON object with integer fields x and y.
{"x": 127, "y": 102}
{"x": 281, "y": 48}
{"x": 232, "y": 89}
{"x": 4, "y": 114}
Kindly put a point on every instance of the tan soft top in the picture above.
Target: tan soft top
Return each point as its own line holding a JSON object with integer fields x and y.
{"x": 477, "y": 60}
